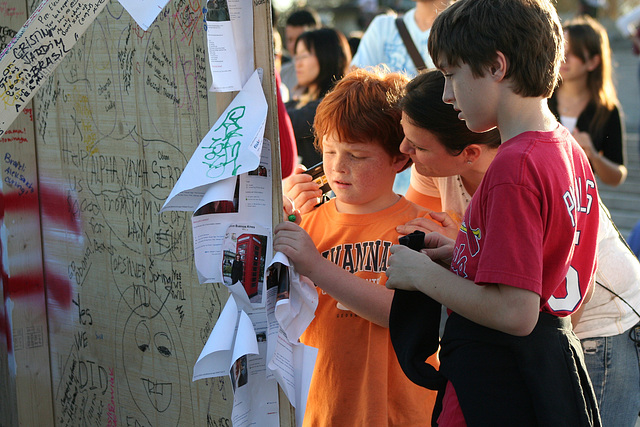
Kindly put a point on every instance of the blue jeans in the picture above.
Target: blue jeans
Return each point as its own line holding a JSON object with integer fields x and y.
{"x": 613, "y": 364}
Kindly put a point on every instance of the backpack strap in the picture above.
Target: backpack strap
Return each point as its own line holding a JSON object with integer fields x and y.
{"x": 410, "y": 45}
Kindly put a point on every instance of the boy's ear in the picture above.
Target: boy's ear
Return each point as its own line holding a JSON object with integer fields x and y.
{"x": 498, "y": 68}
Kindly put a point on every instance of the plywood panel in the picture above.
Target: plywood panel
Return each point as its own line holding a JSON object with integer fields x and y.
{"x": 115, "y": 126}
{"x": 24, "y": 351}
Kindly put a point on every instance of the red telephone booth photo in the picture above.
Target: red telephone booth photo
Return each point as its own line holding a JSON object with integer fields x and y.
{"x": 251, "y": 246}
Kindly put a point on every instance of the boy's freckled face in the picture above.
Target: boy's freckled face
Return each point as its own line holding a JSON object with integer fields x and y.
{"x": 360, "y": 174}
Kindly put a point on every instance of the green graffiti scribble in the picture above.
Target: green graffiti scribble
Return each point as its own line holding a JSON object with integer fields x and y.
{"x": 224, "y": 150}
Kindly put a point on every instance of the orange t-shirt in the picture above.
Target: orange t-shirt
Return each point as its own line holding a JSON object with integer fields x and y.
{"x": 357, "y": 380}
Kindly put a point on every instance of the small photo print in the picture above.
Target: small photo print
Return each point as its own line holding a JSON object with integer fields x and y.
{"x": 218, "y": 10}
{"x": 238, "y": 373}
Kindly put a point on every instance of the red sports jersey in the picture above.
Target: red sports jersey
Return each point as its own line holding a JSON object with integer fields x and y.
{"x": 533, "y": 222}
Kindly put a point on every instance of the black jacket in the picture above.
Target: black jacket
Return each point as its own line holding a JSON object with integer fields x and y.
{"x": 500, "y": 379}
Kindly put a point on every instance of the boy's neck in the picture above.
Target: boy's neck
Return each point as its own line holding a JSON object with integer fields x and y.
{"x": 519, "y": 114}
{"x": 377, "y": 205}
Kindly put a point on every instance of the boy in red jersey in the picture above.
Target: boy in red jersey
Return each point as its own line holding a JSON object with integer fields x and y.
{"x": 524, "y": 258}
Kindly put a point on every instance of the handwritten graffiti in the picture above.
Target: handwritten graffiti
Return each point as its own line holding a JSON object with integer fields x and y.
{"x": 6, "y": 34}
{"x": 84, "y": 390}
{"x": 152, "y": 357}
{"x": 122, "y": 300}
{"x": 84, "y": 315}
{"x": 10, "y": 91}
{"x": 14, "y": 175}
{"x": 9, "y": 11}
{"x": 224, "y": 150}
{"x": 185, "y": 21}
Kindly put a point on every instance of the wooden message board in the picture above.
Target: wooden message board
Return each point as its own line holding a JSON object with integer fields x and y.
{"x": 114, "y": 127}
{"x": 24, "y": 351}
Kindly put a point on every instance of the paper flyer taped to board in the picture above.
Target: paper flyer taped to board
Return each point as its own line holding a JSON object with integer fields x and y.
{"x": 229, "y": 26}
{"x": 296, "y": 297}
{"x": 237, "y": 347}
{"x": 230, "y": 148}
{"x": 232, "y": 336}
{"x": 290, "y": 306}
{"x": 231, "y": 231}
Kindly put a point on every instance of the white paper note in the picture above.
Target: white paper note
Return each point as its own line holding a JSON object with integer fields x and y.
{"x": 144, "y": 12}
{"x": 230, "y": 148}
{"x": 232, "y": 337}
{"x": 230, "y": 43}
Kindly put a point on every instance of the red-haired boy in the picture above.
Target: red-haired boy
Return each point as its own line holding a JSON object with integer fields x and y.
{"x": 357, "y": 379}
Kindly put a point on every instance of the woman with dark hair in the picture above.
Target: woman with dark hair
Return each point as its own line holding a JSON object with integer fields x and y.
{"x": 586, "y": 103}
{"x": 321, "y": 58}
{"x": 463, "y": 156}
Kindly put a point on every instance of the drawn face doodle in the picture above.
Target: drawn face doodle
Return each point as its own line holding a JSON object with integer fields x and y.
{"x": 151, "y": 353}
{"x": 150, "y": 358}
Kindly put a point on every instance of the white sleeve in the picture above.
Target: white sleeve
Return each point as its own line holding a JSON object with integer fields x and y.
{"x": 627, "y": 22}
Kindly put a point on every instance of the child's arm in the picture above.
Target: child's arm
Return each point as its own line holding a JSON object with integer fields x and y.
{"x": 368, "y": 300}
{"x": 504, "y": 308}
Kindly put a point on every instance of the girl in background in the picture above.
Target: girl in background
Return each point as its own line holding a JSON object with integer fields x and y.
{"x": 586, "y": 103}
{"x": 321, "y": 59}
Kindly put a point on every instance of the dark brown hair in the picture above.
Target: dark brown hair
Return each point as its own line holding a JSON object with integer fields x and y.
{"x": 588, "y": 38}
{"x": 424, "y": 106}
{"x": 527, "y": 32}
